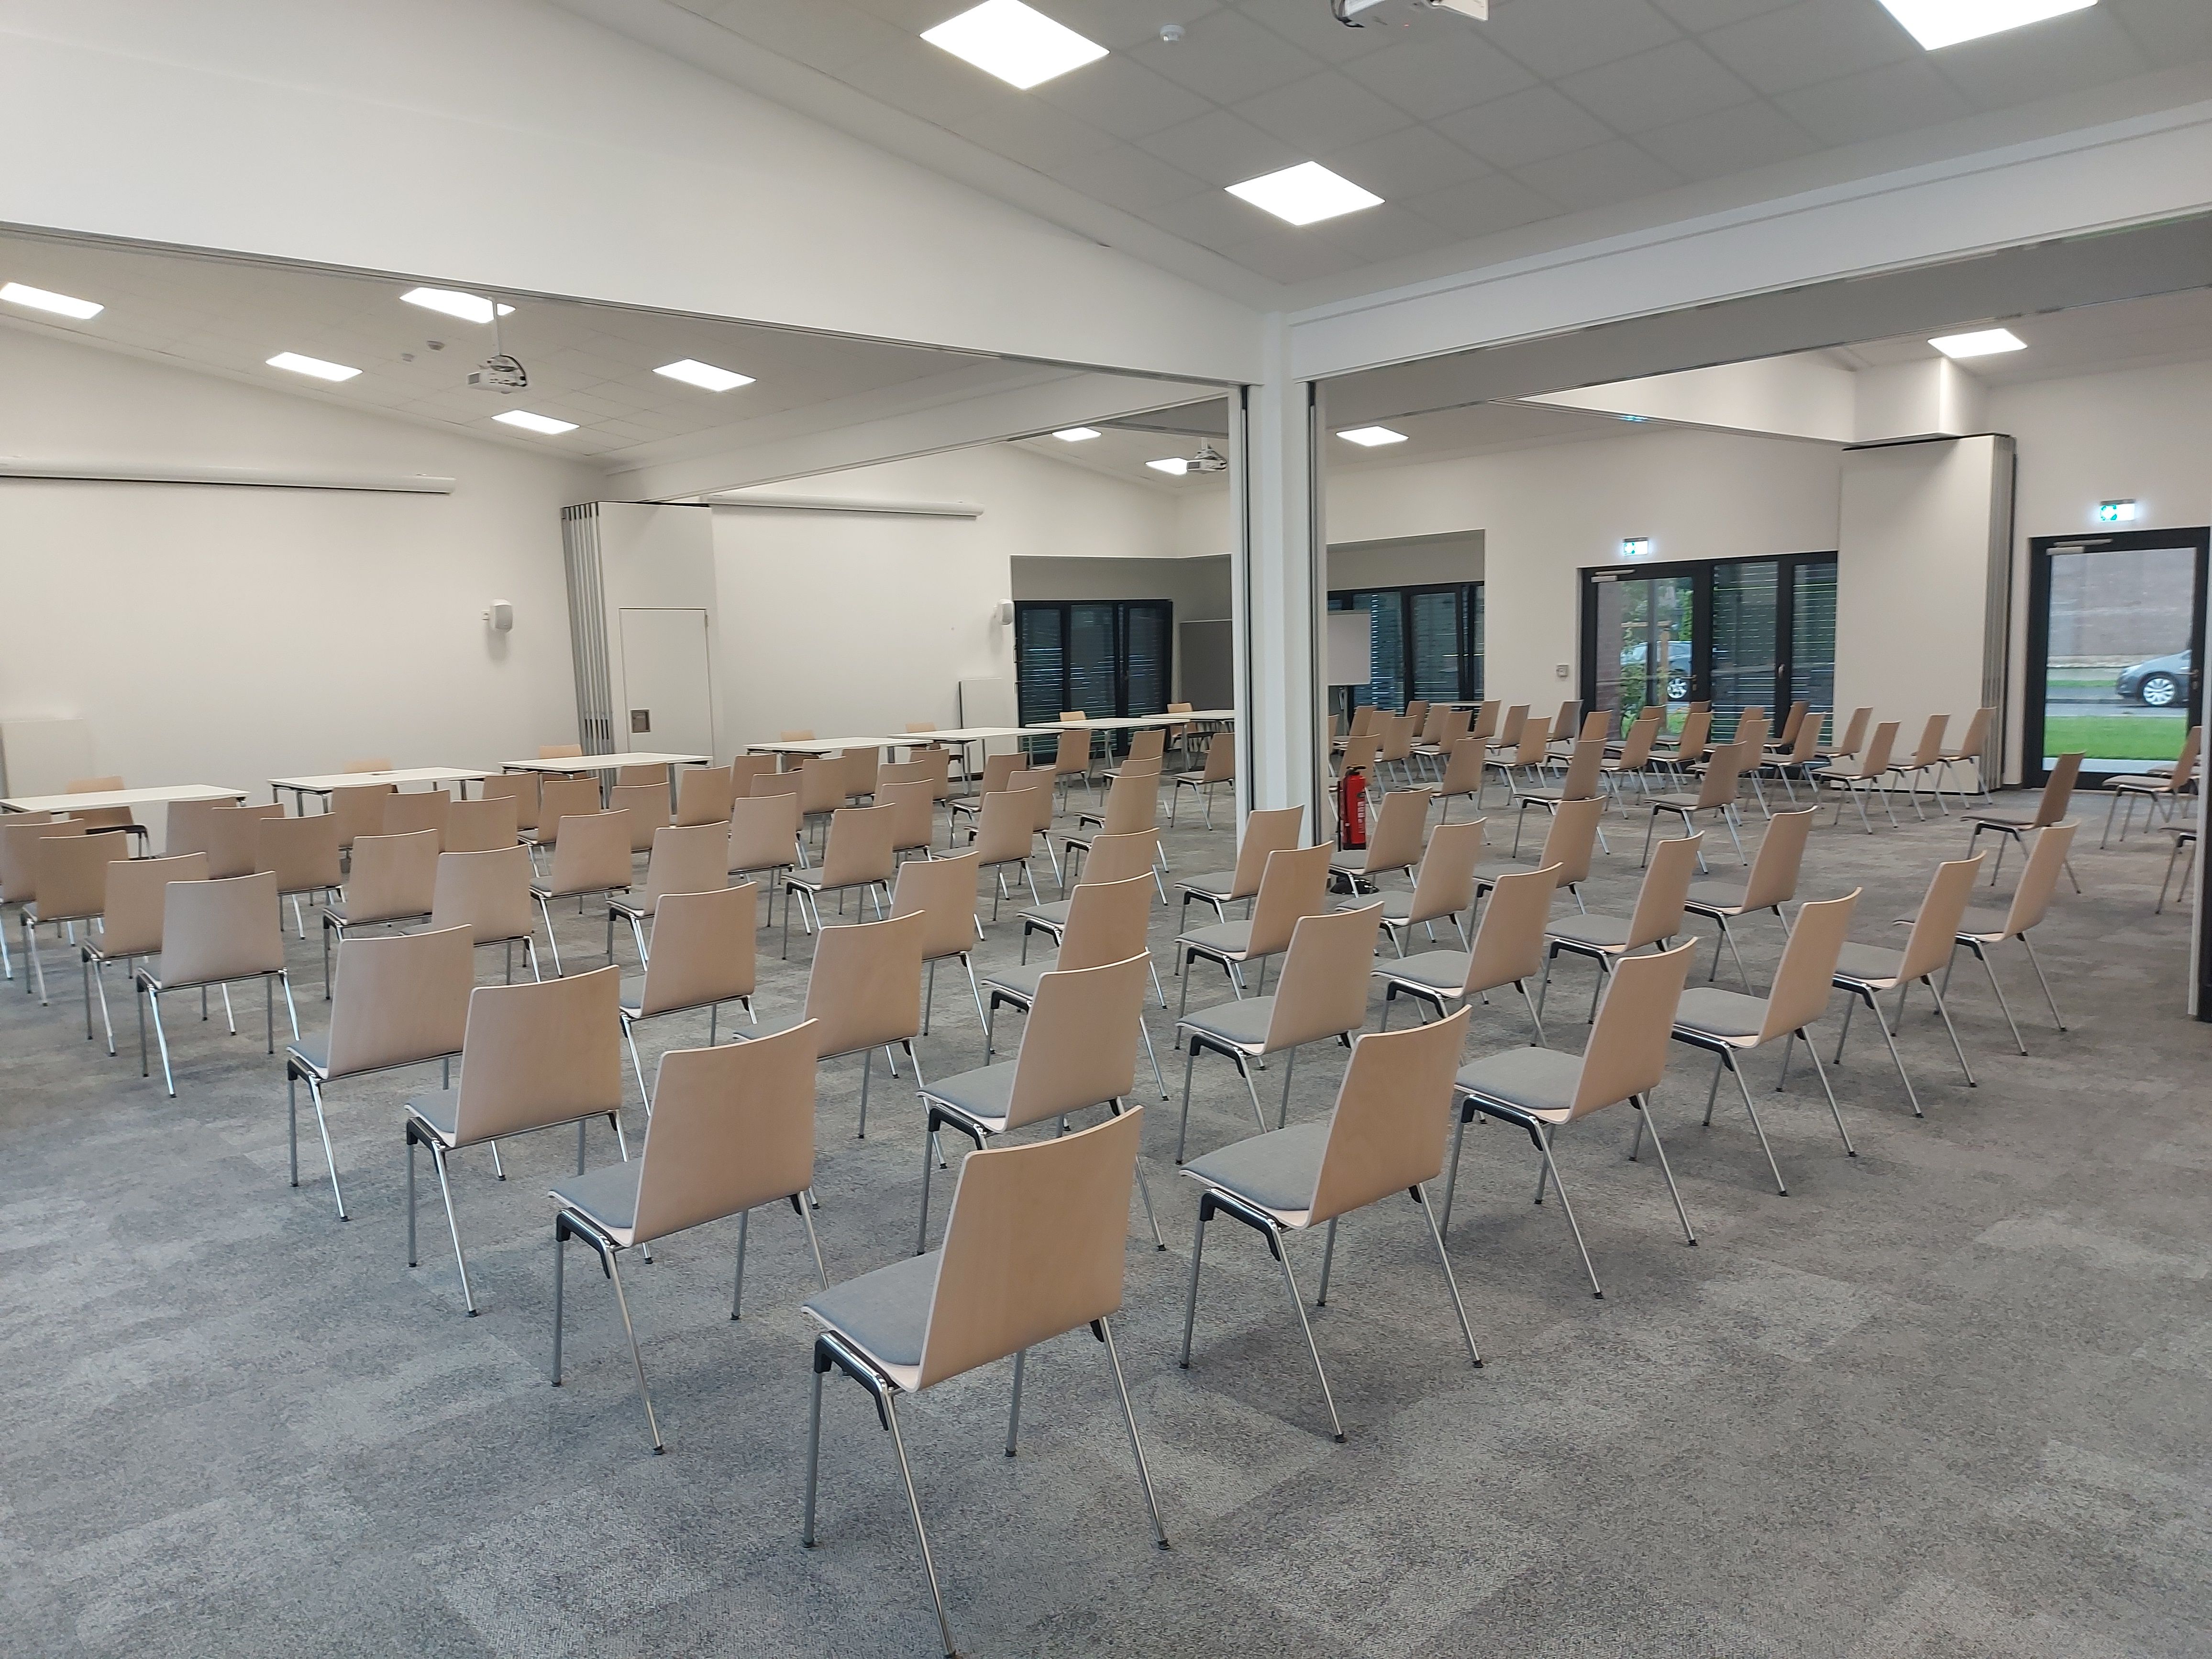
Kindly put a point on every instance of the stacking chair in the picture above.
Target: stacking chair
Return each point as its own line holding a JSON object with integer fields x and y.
{"x": 488, "y": 894}
{"x": 303, "y": 854}
{"x": 1866, "y": 970}
{"x": 1607, "y": 940}
{"x": 1037, "y": 784}
{"x": 1132, "y": 803}
{"x": 563, "y": 798}
{"x": 1579, "y": 783}
{"x": 560, "y": 751}
{"x": 426, "y": 809}
{"x": 1971, "y": 750}
{"x": 185, "y": 827}
{"x": 930, "y": 770}
{"x": 704, "y": 795}
{"x": 2184, "y": 841}
{"x": 1569, "y": 847}
{"x": 213, "y": 934}
{"x": 1178, "y": 737}
{"x": 745, "y": 772}
{"x": 368, "y": 763}
{"x": 1854, "y": 739}
{"x": 913, "y": 806}
{"x": 1294, "y": 884}
{"x": 634, "y": 777}
{"x": 592, "y": 856}
{"x": 1927, "y": 761}
{"x": 1073, "y": 760}
{"x": 1446, "y": 727}
{"x": 520, "y": 788}
{"x": 1571, "y": 713}
{"x": 821, "y": 788}
{"x": 764, "y": 833}
{"x": 1384, "y": 1135}
{"x": 234, "y": 839}
{"x": 1075, "y": 1054}
{"x": 2049, "y": 808}
{"x": 1541, "y": 1090}
{"x": 1005, "y": 834}
{"x": 1508, "y": 950}
{"x": 1146, "y": 744}
{"x": 1463, "y": 774}
{"x": 647, "y": 806}
{"x": 1112, "y": 857}
{"x": 1443, "y": 887}
{"x": 1794, "y": 759}
{"x": 857, "y": 857}
{"x": 1529, "y": 755}
{"x": 1596, "y": 727}
{"x": 393, "y": 878}
{"x": 1506, "y": 735}
{"x": 482, "y": 826}
{"x": 1395, "y": 835}
{"x": 359, "y": 809}
{"x": 688, "y": 858}
{"x": 1982, "y": 931}
{"x": 71, "y": 887}
{"x": 108, "y": 820}
{"x": 1360, "y": 753}
{"x": 131, "y": 926}
{"x": 944, "y": 890}
{"x": 1322, "y": 994}
{"x": 998, "y": 774}
{"x": 1398, "y": 733}
{"x": 1770, "y": 883}
{"x": 1716, "y": 793}
{"x": 1034, "y": 1248}
{"x": 861, "y": 768}
{"x": 1266, "y": 833}
{"x": 1793, "y": 722}
{"x": 1865, "y": 776}
{"x": 702, "y": 959}
{"x": 398, "y": 1001}
{"x": 1633, "y": 758}
{"x": 2153, "y": 789}
{"x": 1363, "y": 725}
{"x": 533, "y": 1057}
{"x": 801, "y": 734}
{"x": 864, "y": 993}
{"x": 20, "y": 836}
{"x": 1689, "y": 745}
{"x": 1730, "y": 1025}
{"x": 730, "y": 1128}
{"x": 1220, "y": 768}
{"x": 1107, "y": 921}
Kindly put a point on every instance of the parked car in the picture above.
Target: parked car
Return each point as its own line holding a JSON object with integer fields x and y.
{"x": 1678, "y": 666}
{"x": 2159, "y": 682}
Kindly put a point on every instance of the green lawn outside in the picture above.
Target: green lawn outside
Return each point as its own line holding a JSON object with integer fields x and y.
{"x": 2116, "y": 737}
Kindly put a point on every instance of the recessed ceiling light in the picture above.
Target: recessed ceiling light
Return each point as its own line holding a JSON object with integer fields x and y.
{"x": 1076, "y": 435}
{"x": 1021, "y": 45}
{"x": 40, "y": 299}
{"x": 1370, "y": 437}
{"x": 1173, "y": 464}
{"x": 529, "y": 422}
{"x": 469, "y": 307}
{"x": 694, "y": 373}
{"x": 1982, "y": 343}
{"x": 315, "y": 366}
{"x": 1306, "y": 194}
{"x": 1937, "y": 23}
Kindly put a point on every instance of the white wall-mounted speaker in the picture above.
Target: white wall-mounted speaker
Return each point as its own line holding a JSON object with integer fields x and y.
{"x": 500, "y": 617}
{"x": 1006, "y": 613}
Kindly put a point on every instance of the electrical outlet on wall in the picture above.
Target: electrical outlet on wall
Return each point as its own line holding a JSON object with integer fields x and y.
{"x": 1559, "y": 670}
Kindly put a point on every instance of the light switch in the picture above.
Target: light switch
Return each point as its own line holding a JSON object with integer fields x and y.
{"x": 640, "y": 719}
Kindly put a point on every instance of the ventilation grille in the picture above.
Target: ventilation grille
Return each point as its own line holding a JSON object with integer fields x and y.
{"x": 587, "y": 628}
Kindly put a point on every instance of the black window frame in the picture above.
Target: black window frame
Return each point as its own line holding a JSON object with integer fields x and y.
{"x": 1469, "y": 625}
{"x": 1122, "y": 609}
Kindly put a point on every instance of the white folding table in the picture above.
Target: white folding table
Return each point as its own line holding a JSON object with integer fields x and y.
{"x": 158, "y": 795}
{"x": 323, "y": 785}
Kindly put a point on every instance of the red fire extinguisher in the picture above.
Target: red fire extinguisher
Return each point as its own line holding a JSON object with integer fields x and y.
{"x": 1351, "y": 808}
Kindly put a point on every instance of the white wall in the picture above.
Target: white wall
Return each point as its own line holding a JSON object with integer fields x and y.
{"x": 851, "y": 623}
{"x": 223, "y": 634}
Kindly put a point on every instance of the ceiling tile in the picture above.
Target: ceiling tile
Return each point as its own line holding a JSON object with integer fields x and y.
{"x": 1125, "y": 177}
{"x": 1290, "y": 256}
{"x": 1413, "y": 162}
{"x": 1437, "y": 77}
{"x": 1324, "y": 112}
{"x": 1120, "y": 95}
{"x": 1222, "y": 148}
{"x": 1895, "y": 97}
{"x": 1114, "y": 24}
{"x": 1226, "y": 57}
{"x": 1600, "y": 176}
{"x": 828, "y": 34}
{"x": 2170, "y": 30}
{"x": 2084, "y": 48}
{"x": 1482, "y": 207}
{"x": 1211, "y": 218}
{"x": 1812, "y": 40}
{"x": 917, "y": 77}
{"x": 1307, "y": 23}
{"x": 1729, "y": 141}
{"x": 1657, "y": 88}
{"x": 1558, "y": 37}
{"x": 1526, "y": 126}
{"x": 1389, "y": 232}
{"x": 1035, "y": 135}
{"x": 1698, "y": 14}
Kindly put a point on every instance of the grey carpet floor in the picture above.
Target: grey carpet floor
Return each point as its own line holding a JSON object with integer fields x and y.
{"x": 1948, "y": 1398}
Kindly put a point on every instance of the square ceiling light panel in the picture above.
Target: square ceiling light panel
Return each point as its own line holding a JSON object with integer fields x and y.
{"x": 1982, "y": 343}
{"x": 1306, "y": 194}
{"x": 469, "y": 307}
{"x": 1938, "y": 23}
{"x": 705, "y": 376}
{"x": 1018, "y": 44}
{"x": 1371, "y": 437}
{"x": 1077, "y": 434}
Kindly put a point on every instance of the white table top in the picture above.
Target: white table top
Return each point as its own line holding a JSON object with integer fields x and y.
{"x": 961, "y": 734}
{"x": 818, "y": 745}
{"x": 167, "y": 792}
{"x": 330, "y": 780}
{"x": 604, "y": 763}
{"x": 1131, "y": 722}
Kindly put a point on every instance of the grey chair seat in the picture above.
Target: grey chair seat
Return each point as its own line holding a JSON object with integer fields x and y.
{"x": 1228, "y": 939}
{"x": 886, "y": 1312}
{"x": 337, "y": 912}
{"x": 1487, "y": 872}
{"x": 1054, "y": 915}
{"x": 543, "y": 893}
{"x": 1243, "y": 1022}
{"x": 441, "y": 1111}
{"x": 1213, "y": 886}
{"x": 1710, "y": 895}
{"x": 1276, "y": 1170}
{"x": 1873, "y": 963}
{"x": 985, "y": 1094}
{"x": 313, "y": 1055}
{"x": 1020, "y": 978}
{"x": 630, "y": 996}
{"x": 1729, "y": 1015}
{"x": 1443, "y": 971}
{"x": 1987, "y": 925}
{"x": 607, "y": 1196}
{"x": 1674, "y": 803}
{"x": 811, "y": 879}
{"x": 1599, "y": 932}
{"x": 1532, "y": 1083}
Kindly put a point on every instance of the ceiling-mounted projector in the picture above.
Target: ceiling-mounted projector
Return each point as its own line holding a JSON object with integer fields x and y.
{"x": 499, "y": 373}
{"x": 1374, "y": 13}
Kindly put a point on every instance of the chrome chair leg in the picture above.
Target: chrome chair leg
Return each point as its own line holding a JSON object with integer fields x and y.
{"x": 1642, "y": 1104}
{"x": 1105, "y": 1330}
{"x": 1443, "y": 1258}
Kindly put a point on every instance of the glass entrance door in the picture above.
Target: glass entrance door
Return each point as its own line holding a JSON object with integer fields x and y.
{"x": 2115, "y": 634}
{"x": 1643, "y": 654}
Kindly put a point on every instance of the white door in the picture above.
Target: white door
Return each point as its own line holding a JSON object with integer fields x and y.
{"x": 668, "y": 695}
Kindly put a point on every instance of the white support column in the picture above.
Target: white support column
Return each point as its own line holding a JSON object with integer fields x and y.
{"x": 1278, "y": 588}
